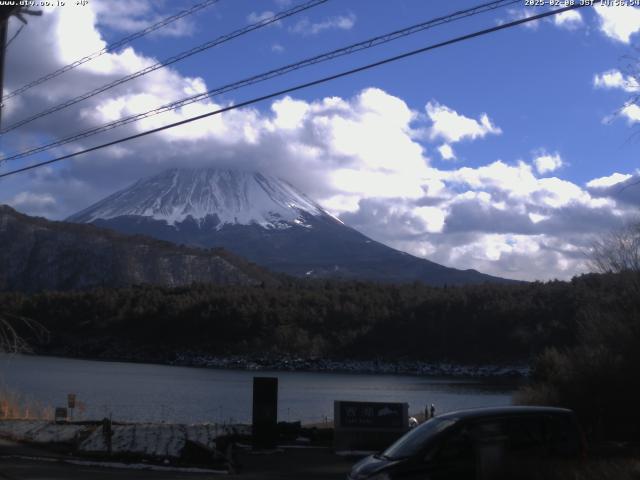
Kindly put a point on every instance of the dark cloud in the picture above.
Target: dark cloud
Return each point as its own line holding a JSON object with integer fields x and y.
{"x": 381, "y": 219}
{"x": 626, "y": 191}
{"x": 476, "y": 216}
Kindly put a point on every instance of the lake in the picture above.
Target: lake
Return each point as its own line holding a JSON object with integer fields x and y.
{"x": 147, "y": 392}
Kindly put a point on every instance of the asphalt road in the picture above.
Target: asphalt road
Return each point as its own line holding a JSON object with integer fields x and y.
{"x": 311, "y": 464}
{"x": 11, "y": 469}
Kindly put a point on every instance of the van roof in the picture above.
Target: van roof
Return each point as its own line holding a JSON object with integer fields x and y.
{"x": 498, "y": 411}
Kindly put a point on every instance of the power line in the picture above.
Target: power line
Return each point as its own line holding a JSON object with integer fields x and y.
{"x": 169, "y": 61}
{"x": 13, "y": 37}
{"x": 353, "y": 48}
{"x": 111, "y": 47}
{"x": 302, "y": 86}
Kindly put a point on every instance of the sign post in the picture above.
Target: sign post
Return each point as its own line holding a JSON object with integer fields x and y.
{"x": 265, "y": 412}
{"x": 71, "y": 404}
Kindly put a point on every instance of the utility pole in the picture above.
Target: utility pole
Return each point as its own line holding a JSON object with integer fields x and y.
{"x": 5, "y": 13}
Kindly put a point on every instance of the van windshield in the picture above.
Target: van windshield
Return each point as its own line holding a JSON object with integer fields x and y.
{"x": 411, "y": 443}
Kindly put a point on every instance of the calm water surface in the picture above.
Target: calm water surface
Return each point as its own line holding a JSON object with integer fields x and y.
{"x": 145, "y": 392}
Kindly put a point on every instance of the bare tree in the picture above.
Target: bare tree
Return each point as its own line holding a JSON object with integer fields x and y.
{"x": 617, "y": 251}
{"x": 12, "y": 329}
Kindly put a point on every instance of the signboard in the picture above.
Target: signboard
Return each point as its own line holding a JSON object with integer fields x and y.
{"x": 374, "y": 415}
{"x": 368, "y": 425}
{"x": 265, "y": 412}
{"x": 60, "y": 414}
{"x": 71, "y": 400}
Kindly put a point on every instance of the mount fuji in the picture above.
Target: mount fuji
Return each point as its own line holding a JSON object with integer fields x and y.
{"x": 264, "y": 219}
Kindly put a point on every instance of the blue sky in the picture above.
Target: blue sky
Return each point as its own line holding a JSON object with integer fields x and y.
{"x": 495, "y": 153}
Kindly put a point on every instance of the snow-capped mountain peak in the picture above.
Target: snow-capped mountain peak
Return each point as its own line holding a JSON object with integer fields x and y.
{"x": 234, "y": 197}
{"x": 263, "y": 219}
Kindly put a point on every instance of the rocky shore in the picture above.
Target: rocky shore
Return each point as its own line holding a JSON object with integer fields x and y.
{"x": 292, "y": 363}
{"x": 400, "y": 367}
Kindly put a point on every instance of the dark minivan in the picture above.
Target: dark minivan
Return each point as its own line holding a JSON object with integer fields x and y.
{"x": 478, "y": 444}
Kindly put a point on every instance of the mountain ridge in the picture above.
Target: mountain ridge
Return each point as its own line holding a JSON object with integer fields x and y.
{"x": 40, "y": 254}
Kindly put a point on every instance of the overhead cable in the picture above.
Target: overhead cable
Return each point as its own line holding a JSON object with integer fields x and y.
{"x": 110, "y": 48}
{"x": 350, "y": 49}
{"x": 303, "y": 86}
{"x": 169, "y": 61}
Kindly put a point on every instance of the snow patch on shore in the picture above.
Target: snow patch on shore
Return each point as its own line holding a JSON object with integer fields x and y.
{"x": 157, "y": 440}
{"x": 39, "y": 431}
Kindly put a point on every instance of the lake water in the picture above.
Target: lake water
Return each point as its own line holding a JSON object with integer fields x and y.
{"x": 145, "y": 392}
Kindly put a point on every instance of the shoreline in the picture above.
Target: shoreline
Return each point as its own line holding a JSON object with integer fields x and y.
{"x": 282, "y": 363}
{"x": 373, "y": 367}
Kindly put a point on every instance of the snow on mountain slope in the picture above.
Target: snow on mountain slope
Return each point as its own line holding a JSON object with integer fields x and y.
{"x": 236, "y": 198}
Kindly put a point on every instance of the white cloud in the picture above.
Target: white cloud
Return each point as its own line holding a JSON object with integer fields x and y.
{"x": 498, "y": 218}
{"x": 454, "y": 127}
{"x": 512, "y": 255}
{"x": 135, "y": 15}
{"x": 608, "y": 181}
{"x": 615, "y": 79}
{"x": 276, "y": 47}
{"x": 446, "y": 152}
{"x": 631, "y": 112}
{"x": 570, "y": 20}
{"x": 619, "y": 23}
{"x": 340, "y": 22}
{"x": 518, "y": 183}
{"x": 255, "y": 17}
{"x": 519, "y": 14}
{"x": 624, "y": 189}
{"x": 548, "y": 163}
{"x": 36, "y": 204}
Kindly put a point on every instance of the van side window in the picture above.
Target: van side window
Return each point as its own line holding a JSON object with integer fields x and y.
{"x": 489, "y": 431}
{"x": 527, "y": 434}
{"x": 491, "y": 444}
{"x": 458, "y": 447}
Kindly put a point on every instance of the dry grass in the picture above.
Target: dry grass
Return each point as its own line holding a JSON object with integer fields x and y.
{"x": 17, "y": 406}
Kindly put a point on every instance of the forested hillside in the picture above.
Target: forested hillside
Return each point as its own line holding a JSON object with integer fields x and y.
{"x": 39, "y": 255}
{"x": 487, "y": 323}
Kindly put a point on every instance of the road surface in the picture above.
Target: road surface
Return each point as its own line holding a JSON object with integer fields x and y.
{"x": 18, "y": 462}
